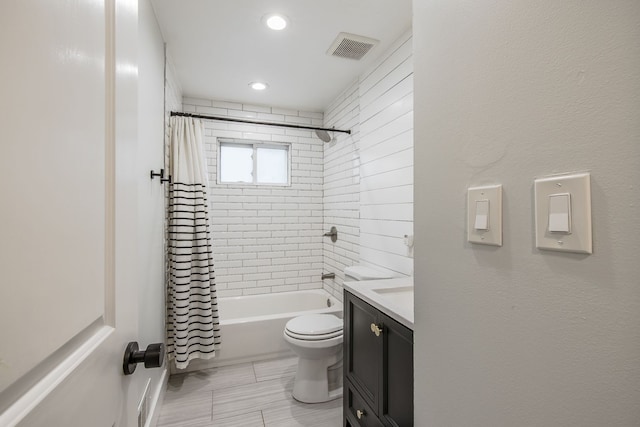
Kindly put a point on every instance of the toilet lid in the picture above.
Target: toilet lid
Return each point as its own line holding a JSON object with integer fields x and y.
{"x": 316, "y": 325}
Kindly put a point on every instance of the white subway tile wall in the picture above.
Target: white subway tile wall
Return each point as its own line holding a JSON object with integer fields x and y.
{"x": 266, "y": 238}
{"x": 342, "y": 188}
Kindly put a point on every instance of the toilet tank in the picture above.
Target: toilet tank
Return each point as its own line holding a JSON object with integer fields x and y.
{"x": 356, "y": 273}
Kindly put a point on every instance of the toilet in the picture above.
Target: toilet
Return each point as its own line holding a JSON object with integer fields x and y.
{"x": 317, "y": 341}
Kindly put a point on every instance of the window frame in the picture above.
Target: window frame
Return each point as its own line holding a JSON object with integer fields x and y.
{"x": 255, "y": 144}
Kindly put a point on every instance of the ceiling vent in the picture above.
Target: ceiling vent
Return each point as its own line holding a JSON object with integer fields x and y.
{"x": 351, "y": 46}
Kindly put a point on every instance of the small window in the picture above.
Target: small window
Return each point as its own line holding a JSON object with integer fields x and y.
{"x": 253, "y": 162}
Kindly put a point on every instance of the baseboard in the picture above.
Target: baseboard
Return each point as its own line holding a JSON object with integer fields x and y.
{"x": 157, "y": 399}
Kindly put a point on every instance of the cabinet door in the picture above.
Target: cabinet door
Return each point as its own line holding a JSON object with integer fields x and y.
{"x": 397, "y": 375}
{"x": 357, "y": 412}
{"x": 363, "y": 349}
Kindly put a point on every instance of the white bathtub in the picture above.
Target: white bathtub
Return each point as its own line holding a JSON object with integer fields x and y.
{"x": 251, "y": 327}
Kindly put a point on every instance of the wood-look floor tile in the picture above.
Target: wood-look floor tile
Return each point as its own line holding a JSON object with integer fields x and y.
{"x": 298, "y": 414}
{"x": 210, "y": 379}
{"x": 252, "y": 419}
{"x": 275, "y": 368}
{"x": 246, "y": 395}
{"x": 251, "y": 397}
{"x": 204, "y": 422}
{"x": 192, "y": 407}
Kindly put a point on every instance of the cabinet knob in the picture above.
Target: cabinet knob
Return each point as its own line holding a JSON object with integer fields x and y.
{"x": 376, "y": 329}
{"x": 360, "y": 414}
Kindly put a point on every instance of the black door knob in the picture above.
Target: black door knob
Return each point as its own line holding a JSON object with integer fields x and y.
{"x": 153, "y": 357}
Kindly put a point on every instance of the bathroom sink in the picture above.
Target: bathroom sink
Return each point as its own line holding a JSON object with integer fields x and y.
{"x": 399, "y": 296}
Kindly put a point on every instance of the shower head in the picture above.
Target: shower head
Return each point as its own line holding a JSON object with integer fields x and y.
{"x": 323, "y": 135}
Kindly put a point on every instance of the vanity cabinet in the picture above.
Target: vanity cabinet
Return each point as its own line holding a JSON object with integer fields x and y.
{"x": 378, "y": 367}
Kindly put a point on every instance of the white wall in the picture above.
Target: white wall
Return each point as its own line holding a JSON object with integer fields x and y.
{"x": 151, "y": 206}
{"x": 172, "y": 102}
{"x": 266, "y": 238}
{"x": 342, "y": 188}
{"x": 368, "y": 175}
{"x": 386, "y": 160}
{"x": 506, "y": 92}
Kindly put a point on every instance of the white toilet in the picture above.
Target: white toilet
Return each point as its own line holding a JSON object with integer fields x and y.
{"x": 317, "y": 340}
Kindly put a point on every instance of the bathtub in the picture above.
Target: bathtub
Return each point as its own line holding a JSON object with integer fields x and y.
{"x": 251, "y": 327}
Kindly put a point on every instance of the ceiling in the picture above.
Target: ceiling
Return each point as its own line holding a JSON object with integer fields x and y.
{"x": 219, "y": 46}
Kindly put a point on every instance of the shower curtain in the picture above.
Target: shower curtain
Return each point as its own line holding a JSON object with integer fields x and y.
{"x": 193, "y": 329}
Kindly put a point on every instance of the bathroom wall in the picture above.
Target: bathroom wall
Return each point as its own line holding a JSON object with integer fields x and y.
{"x": 172, "y": 102}
{"x": 386, "y": 160}
{"x": 150, "y": 201}
{"x": 342, "y": 188}
{"x": 266, "y": 238}
{"x": 507, "y": 92}
{"x": 368, "y": 177}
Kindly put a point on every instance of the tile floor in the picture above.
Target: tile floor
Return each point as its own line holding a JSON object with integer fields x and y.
{"x": 254, "y": 394}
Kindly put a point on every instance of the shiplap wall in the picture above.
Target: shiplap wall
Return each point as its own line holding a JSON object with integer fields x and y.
{"x": 266, "y": 238}
{"x": 386, "y": 160}
{"x": 368, "y": 176}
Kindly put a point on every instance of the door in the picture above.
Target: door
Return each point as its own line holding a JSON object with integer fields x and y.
{"x": 68, "y": 299}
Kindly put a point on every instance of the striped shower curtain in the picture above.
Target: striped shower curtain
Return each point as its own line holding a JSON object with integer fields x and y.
{"x": 193, "y": 329}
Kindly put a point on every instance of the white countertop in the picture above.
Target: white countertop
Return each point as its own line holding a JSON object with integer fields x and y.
{"x": 391, "y": 296}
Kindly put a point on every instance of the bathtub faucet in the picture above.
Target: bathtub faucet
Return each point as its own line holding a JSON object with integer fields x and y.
{"x": 328, "y": 276}
{"x": 333, "y": 233}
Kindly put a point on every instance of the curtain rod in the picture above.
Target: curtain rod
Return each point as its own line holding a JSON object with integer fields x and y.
{"x": 256, "y": 122}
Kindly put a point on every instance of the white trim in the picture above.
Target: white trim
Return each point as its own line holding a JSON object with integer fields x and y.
{"x": 36, "y": 394}
{"x": 158, "y": 398}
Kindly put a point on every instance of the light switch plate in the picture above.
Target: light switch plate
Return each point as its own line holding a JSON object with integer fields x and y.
{"x": 578, "y": 240}
{"x": 493, "y": 235}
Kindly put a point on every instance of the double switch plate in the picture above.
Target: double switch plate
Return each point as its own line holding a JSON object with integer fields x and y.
{"x": 562, "y": 214}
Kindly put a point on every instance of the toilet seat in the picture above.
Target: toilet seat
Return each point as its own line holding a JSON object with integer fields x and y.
{"x": 304, "y": 337}
{"x": 314, "y": 327}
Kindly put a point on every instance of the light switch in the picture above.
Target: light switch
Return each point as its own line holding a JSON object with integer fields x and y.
{"x": 560, "y": 213}
{"x": 563, "y": 213}
{"x": 484, "y": 215}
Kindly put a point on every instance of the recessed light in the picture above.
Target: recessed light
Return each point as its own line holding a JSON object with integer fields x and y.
{"x": 258, "y": 85}
{"x": 275, "y": 22}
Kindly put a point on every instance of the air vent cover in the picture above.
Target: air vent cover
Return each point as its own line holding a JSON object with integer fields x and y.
{"x": 351, "y": 46}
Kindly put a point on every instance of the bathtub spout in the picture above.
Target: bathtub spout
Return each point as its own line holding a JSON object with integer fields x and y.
{"x": 328, "y": 276}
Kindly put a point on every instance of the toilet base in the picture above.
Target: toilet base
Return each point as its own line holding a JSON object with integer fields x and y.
{"x": 311, "y": 383}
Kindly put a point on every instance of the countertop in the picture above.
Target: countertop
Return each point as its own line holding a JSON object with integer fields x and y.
{"x": 399, "y": 308}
